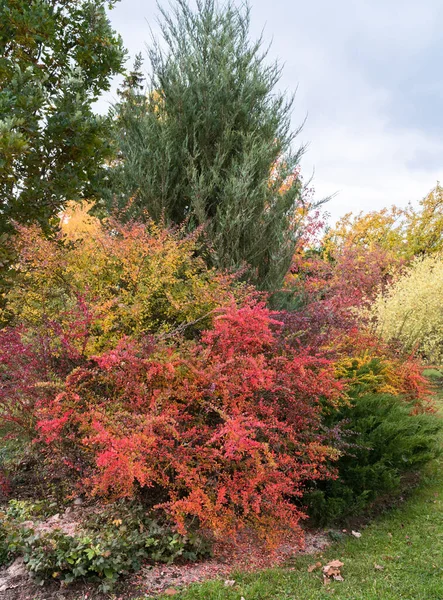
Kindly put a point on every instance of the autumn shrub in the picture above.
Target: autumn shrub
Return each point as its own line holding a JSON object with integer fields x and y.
{"x": 376, "y": 370}
{"x": 410, "y": 311}
{"x": 94, "y": 282}
{"x": 25, "y": 378}
{"x": 382, "y": 440}
{"x": 81, "y": 291}
{"x": 225, "y": 431}
{"x": 387, "y": 427}
{"x": 329, "y": 291}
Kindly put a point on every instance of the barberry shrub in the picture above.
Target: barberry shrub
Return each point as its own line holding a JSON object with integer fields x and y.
{"x": 95, "y": 282}
{"x": 225, "y": 431}
{"x": 78, "y": 293}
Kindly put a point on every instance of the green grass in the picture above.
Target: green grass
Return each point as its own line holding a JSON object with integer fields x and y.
{"x": 406, "y": 541}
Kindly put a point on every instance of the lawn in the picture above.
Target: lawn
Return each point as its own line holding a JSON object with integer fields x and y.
{"x": 407, "y": 542}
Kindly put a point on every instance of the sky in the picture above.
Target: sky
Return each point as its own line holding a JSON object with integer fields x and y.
{"x": 368, "y": 80}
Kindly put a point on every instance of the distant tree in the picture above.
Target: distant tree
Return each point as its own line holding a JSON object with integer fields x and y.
{"x": 209, "y": 141}
{"x": 56, "y": 58}
{"x": 425, "y": 226}
{"x": 384, "y": 229}
{"x": 403, "y": 232}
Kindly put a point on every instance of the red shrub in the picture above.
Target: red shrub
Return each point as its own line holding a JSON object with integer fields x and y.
{"x": 22, "y": 369}
{"x": 226, "y": 430}
{"x": 332, "y": 290}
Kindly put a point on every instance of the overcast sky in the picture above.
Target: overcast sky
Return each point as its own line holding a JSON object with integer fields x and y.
{"x": 369, "y": 79}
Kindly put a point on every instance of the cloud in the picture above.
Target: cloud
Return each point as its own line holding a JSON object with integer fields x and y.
{"x": 366, "y": 72}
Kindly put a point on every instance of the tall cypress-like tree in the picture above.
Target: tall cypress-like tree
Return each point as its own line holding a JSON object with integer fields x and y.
{"x": 209, "y": 141}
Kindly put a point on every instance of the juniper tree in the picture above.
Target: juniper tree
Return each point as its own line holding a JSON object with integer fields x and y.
{"x": 207, "y": 139}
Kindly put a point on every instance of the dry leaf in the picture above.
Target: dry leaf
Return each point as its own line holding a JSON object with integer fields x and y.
{"x": 356, "y": 534}
{"x": 378, "y": 567}
{"x": 336, "y": 564}
{"x": 332, "y": 571}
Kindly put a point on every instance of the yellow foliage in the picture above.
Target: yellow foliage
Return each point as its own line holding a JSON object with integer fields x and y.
{"x": 136, "y": 279}
{"x": 382, "y": 228}
{"x": 405, "y": 232}
{"x": 424, "y": 233}
{"x": 411, "y": 309}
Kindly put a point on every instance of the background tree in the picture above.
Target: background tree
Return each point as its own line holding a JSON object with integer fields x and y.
{"x": 384, "y": 229}
{"x": 403, "y": 232}
{"x": 425, "y": 225}
{"x": 210, "y": 141}
{"x": 56, "y": 58}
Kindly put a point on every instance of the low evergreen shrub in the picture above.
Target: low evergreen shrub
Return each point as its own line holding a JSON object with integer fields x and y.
{"x": 382, "y": 439}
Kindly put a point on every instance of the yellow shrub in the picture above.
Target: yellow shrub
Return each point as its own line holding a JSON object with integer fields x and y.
{"x": 411, "y": 309}
{"x": 126, "y": 280}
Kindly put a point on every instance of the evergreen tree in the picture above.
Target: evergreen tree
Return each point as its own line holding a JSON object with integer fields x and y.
{"x": 208, "y": 141}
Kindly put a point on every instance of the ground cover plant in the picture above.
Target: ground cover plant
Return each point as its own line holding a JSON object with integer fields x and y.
{"x": 108, "y": 544}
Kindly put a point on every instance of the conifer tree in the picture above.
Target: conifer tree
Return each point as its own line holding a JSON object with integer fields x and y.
{"x": 207, "y": 140}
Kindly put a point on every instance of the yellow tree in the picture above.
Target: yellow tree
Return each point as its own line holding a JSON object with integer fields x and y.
{"x": 424, "y": 230}
{"x": 383, "y": 228}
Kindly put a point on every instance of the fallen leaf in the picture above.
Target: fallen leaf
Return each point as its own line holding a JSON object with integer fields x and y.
{"x": 336, "y": 564}
{"x": 378, "y": 567}
{"x": 356, "y": 534}
{"x": 332, "y": 571}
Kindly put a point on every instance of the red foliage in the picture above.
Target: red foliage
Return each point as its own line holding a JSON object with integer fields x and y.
{"x": 32, "y": 362}
{"x": 21, "y": 370}
{"x": 226, "y": 430}
{"x": 332, "y": 290}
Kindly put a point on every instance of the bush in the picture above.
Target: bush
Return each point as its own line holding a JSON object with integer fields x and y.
{"x": 79, "y": 293}
{"x": 385, "y": 439}
{"x": 227, "y": 430}
{"x": 410, "y": 311}
{"x": 95, "y": 282}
